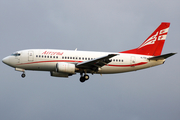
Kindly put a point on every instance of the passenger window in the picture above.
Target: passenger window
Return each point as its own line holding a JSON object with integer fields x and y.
{"x": 79, "y": 58}
{"x": 44, "y": 56}
{"x": 53, "y": 56}
{"x": 39, "y": 56}
{"x": 50, "y": 56}
{"x": 47, "y": 56}
{"x": 36, "y": 55}
{"x": 85, "y": 58}
{"x": 82, "y": 58}
{"x": 88, "y": 58}
{"x": 70, "y": 57}
{"x": 56, "y": 56}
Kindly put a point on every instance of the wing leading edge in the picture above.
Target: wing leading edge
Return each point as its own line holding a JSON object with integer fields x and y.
{"x": 96, "y": 63}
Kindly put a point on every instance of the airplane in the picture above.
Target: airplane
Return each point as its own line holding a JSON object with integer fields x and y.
{"x": 65, "y": 63}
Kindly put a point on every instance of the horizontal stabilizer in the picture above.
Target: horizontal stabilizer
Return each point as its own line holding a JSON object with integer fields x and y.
{"x": 161, "y": 57}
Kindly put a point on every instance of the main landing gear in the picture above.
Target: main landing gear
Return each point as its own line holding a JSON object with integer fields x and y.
{"x": 83, "y": 78}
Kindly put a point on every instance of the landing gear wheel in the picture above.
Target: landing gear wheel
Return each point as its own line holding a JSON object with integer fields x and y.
{"x": 82, "y": 79}
{"x": 86, "y": 77}
{"x": 23, "y": 75}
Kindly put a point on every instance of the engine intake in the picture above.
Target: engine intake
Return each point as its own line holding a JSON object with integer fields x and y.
{"x": 65, "y": 67}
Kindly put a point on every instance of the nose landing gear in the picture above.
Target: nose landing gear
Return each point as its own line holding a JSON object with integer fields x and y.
{"x": 23, "y": 75}
{"x": 21, "y": 70}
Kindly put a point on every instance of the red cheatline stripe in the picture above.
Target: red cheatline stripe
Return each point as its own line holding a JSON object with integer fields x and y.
{"x": 141, "y": 63}
{"x": 49, "y": 61}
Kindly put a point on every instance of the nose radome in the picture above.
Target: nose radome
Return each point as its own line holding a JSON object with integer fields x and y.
{"x": 5, "y": 60}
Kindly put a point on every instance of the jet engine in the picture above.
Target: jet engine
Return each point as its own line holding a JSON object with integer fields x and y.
{"x": 57, "y": 74}
{"x": 63, "y": 67}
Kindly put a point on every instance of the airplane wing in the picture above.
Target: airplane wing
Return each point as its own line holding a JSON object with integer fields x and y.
{"x": 95, "y": 63}
{"x": 161, "y": 57}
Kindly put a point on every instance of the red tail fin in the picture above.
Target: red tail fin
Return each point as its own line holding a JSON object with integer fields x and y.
{"x": 153, "y": 45}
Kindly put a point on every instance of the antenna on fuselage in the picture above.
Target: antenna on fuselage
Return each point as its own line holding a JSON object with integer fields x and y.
{"x": 76, "y": 49}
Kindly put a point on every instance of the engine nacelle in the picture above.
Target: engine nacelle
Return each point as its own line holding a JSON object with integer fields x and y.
{"x": 65, "y": 67}
{"x": 57, "y": 74}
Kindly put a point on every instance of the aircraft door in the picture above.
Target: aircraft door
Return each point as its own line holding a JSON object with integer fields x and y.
{"x": 30, "y": 56}
{"x": 133, "y": 61}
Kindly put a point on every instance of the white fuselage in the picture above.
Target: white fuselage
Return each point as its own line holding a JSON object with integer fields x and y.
{"x": 46, "y": 60}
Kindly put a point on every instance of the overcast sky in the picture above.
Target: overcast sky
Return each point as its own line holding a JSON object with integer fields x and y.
{"x": 95, "y": 25}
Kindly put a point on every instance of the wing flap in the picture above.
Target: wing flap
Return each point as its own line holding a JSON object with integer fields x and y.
{"x": 98, "y": 62}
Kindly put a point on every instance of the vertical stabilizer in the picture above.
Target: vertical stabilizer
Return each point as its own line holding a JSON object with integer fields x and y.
{"x": 153, "y": 45}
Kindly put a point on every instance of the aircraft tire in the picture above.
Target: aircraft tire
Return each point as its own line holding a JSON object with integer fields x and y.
{"x": 23, "y": 75}
{"x": 82, "y": 79}
{"x": 86, "y": 77}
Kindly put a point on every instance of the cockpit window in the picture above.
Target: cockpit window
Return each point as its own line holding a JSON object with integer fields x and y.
{"x": 16, "y": 54}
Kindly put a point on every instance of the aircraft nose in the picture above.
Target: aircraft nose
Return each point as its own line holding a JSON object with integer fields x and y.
{"x": 6, "y": 60}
